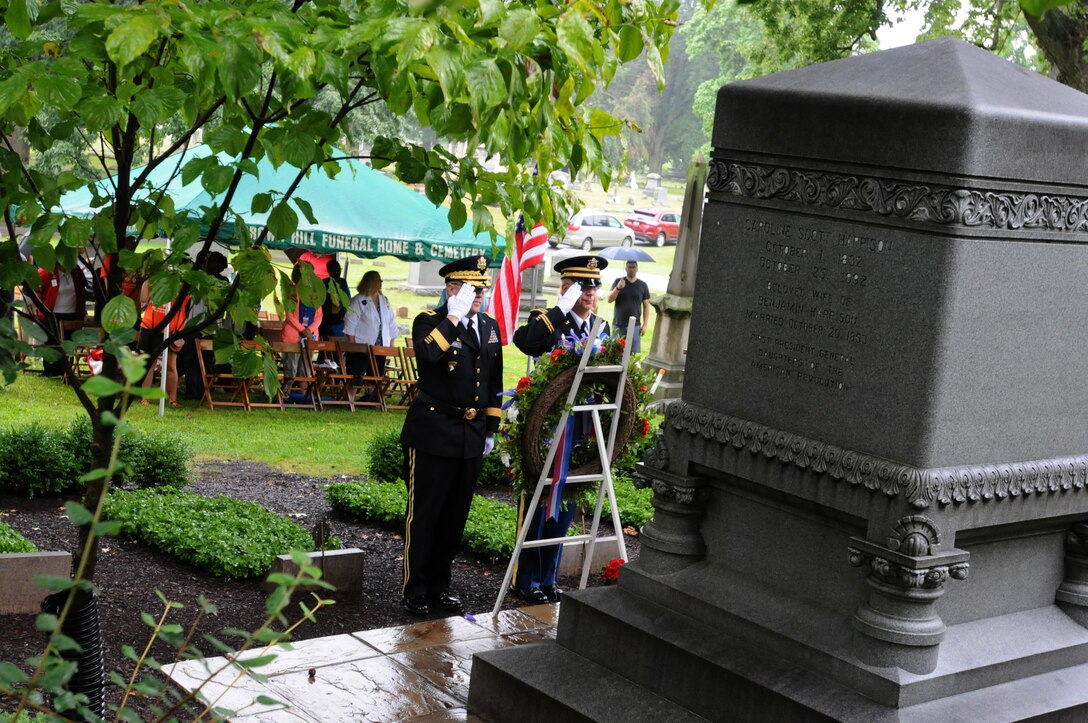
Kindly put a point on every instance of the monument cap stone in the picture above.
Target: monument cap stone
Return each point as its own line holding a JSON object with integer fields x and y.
{"x": 995, "y": 118}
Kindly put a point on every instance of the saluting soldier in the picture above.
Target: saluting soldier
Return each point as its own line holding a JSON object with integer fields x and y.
{"x": 580, "y": 277}
{"x": 449, "y": 428}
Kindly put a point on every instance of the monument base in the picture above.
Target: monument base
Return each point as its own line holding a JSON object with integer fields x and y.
{"x": 725, "y": 667}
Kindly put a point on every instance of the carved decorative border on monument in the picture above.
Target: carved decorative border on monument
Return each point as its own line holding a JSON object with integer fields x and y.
{"x": 921, "y": 487}
{"x": 932, "y": 203}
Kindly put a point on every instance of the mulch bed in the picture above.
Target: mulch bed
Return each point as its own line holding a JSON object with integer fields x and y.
{"x": 129, "y": 573}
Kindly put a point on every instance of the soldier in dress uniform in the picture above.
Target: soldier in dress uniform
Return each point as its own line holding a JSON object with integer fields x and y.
{"x": 449, "y": 428}
{"x": 580, "y": 277}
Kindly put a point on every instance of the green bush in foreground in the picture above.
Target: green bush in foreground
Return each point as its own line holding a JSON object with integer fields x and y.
{"x": 489, "y": 530}
{"x": 36, "y": 460}
{"x": 385, "y": 461}
{"x": 634, "y": 504}
{"x": 228, "y": 537}
{"x": 12, "y": 541}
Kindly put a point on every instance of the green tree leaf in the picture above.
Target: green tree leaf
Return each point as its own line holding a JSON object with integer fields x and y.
{"x": 101, "y": 386}
{"x": 133, "y": 36}
{"x": 17, "y": 19}
{"x": 520, "y": 28}
{"x": 77, "y": 513}
{"x": 630, "y": 45}
{"x": 59, "y": 91}
{"x": 282, "y": 222}
{"x": 118, "y": 313}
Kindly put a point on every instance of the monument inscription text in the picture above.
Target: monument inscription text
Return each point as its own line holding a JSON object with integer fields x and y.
{"x": 805, "y": 316}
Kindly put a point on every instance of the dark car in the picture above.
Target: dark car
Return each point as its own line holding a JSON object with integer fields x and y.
{"x": 654, "y": 225}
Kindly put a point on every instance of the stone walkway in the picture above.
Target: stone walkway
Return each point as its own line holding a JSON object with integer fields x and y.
{"x": 417, "y": 672}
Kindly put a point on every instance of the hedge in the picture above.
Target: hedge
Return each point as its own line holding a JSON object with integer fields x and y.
{"x": 228, "y": 537}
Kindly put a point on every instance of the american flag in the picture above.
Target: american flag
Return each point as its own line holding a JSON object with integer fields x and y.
{"x": 528, "y": 251}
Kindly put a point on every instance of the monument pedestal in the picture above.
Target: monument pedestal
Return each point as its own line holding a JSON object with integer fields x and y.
{"x": 871, "y": 503}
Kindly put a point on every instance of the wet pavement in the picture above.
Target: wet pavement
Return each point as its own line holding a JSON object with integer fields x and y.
{"x": 417, "y": 672}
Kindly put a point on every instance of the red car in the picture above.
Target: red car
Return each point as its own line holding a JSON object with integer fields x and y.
{"x": 654, "y": 225}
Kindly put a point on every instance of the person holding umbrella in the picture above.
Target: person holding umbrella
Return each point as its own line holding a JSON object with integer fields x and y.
{"x": 631, "y": 296}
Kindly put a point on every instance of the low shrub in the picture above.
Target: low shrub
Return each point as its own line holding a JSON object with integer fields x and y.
{"x": 158, "y": 459}
{"x": 12, "y": 541}
{"x": 489, "y": 530}
{"x": 228, "y": 537}
{"x": 633, "y": 503}
{"x": 36, "y": 460}
{"x": 40, "y": 460}
{"x": 385, "y": 461}
{"x": 385, "y": 457}
{"x": 493, "y": 471}
{"x": 378, "y": 501}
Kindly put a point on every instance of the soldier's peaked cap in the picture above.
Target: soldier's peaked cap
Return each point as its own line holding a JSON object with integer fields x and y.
{"x": 585, "y": 270}
{"x": 471, "y": 270}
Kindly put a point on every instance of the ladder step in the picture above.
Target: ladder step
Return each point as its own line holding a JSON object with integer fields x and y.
{"x": 576, "y": 478}
{"x": 568, "y": 540}
{"x": 592, "y": 407}
{"x": 603, "y": 369}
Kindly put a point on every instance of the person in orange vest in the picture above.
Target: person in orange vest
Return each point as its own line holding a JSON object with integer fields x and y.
{"x": 150, "y": 339}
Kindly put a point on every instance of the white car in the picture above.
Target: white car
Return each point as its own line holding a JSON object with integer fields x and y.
{"x": 593, "y": 228}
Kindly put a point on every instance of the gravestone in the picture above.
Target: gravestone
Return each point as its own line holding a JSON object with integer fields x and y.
{"x": 652, "y": 182}
{"x": 661, "y": 196}
{"x": 872, "y": 501}
{"x": 424, "y": 279}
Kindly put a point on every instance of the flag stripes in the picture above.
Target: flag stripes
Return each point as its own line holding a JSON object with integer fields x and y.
{"x": 528, "y": 250}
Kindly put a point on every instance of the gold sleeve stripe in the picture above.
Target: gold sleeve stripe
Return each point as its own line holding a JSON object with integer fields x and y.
{"x": 547, "y": 323}
{"x": 494, "y": 411}
{"x": 436, "y": 337}
{"x": 429, "y": 312}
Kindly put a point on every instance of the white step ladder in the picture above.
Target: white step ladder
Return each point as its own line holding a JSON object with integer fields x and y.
{"x": 604, "y": 477}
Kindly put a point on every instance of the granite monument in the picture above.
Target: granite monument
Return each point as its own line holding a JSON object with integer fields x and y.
{"x": 871, "y": 503}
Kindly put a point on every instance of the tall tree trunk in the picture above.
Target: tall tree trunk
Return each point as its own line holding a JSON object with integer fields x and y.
{"x": 1061, "y": 33}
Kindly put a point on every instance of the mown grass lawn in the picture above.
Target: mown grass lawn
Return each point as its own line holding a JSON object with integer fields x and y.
{"x": 324, "y": 444}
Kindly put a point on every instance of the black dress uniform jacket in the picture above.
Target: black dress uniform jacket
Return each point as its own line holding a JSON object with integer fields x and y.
{"x": 546, "y": 327}
{"x": 460, "y": 385}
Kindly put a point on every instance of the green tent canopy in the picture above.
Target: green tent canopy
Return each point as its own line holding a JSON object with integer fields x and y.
{"x": 360, "y": 211}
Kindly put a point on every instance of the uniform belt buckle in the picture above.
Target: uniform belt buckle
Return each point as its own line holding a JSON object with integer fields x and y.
{"x": 470, "y": 413}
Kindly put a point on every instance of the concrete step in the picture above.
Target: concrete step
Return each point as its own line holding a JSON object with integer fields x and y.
{"x": 544, "y": 683}
{"x": 708, "y": 673}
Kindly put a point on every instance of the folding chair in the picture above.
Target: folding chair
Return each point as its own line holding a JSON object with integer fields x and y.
{"x": 77, "y": 357}
{"x": 225, "y": 382}
{"x": 300, "y": 390}
{"x": 335, "y": 386}
{"x": 270, "y": 329}
{"x": 255, "y": 392}
{"x": 411, "y": 371}
{"x": 366, "y": 388}
{"x": 396, "y": 390}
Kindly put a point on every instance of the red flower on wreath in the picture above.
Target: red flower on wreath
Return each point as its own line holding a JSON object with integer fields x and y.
{"x": 612, "y": 571}
{"x": 556, "y": 353}
{"x": 622, "y": 342}
{"x": 645, "y": 427}
{"x": 523, "y": 384}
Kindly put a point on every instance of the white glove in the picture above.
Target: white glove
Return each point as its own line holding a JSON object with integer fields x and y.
{"x": 489, "y": 444}
{"x": 570, "y": 298}
{"x": 459, "y": 304}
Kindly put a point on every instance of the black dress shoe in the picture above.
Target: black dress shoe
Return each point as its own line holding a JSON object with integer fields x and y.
{"x": 447, "y": 601}
{"x": 417, "y": 605}
{"x": 552, "y": 593}
{"x": 532, "y": 595}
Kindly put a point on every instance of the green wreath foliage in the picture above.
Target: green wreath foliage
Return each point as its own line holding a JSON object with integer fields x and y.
{"x": 606, "y": 351}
